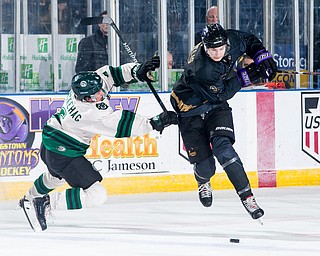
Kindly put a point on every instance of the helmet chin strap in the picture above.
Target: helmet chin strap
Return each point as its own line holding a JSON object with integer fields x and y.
{"x": 105, "y": 95}
{"x": 206, "y": 50}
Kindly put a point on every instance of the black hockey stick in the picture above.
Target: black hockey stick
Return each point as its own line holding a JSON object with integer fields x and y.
{"x": 133, "y": 57}
{"x": 92, "y": 21}
{"x": 108, "y": 20}
{"x": 292, "y": 72}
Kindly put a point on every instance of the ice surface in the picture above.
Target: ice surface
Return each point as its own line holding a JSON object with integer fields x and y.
{"x": 165, "y": 224}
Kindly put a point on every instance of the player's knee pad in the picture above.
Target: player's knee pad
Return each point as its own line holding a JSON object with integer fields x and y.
{"x": 204, "y": 170}
{"x": 52, "y": 182}
{"x": 230, "y": 162}
{"x": 224, "y": 151}
{"x": 93, "y": 196}
{"x": 78, "y": 198}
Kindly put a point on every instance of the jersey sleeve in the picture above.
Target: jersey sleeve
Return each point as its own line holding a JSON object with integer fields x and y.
{"x": 117, "y": 76}
{"x": 252, "y": 43}
{"x": 232, "y": 86}
{"x": 123, "y": 123}
{"x": 244, "y": 42}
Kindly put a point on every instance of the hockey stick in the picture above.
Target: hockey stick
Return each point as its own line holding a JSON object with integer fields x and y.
{"x": 108, "y": 20}
{"x": 92, "y": 21}
{"x": 292, "y": 72}
{"x": 133, "y": 57}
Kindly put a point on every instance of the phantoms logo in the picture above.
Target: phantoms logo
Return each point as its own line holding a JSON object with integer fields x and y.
{"x": 310, "y": 118}
{"x": 17, "y": 156}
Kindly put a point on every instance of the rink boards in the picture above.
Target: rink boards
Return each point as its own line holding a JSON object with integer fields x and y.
{"x": 276, "y": 138}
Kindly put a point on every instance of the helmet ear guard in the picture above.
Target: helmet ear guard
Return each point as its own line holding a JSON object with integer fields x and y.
{"x": 86, "y": 84}
{"x": 214, "y": 36}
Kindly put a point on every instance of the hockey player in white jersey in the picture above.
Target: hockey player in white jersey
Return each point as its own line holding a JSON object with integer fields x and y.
{"x": 67, "y": 135}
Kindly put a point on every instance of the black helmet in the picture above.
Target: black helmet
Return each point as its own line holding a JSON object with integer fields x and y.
{"x": 214, "y": 35}
{"x": 86, "y": 84}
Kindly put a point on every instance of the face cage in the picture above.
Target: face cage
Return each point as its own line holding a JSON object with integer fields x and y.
{"x": 93, "y": 97}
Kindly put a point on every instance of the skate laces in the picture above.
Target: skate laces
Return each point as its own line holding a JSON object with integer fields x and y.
{"x": 205, "y": 190}
{"x": 42, "y": 206}
{"x": 47, "y": 208}
{"x": 48, "y": 212}
{"x": 250, "y": 204}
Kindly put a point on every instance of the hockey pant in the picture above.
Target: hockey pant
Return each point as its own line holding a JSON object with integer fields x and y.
{"x": 69, "y": 199}
{"x": 229, "y": 160}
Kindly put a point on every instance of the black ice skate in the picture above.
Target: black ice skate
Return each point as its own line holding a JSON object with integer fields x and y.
{"x": 36, "y": 211}
{"x": 252, "y": 207}
{"x": 205, "y": 194}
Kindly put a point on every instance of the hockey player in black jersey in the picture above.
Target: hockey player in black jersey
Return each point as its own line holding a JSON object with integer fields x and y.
{"x": 205, "y": 119}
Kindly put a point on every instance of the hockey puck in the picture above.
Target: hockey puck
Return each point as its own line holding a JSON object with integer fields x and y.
{"x": 234, "y": 240}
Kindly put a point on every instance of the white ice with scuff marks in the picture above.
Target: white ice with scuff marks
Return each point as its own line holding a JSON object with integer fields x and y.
{"x": 173, "y": 224}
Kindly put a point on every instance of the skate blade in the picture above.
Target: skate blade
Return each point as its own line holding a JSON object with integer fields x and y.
{"x": 30, "y": 214}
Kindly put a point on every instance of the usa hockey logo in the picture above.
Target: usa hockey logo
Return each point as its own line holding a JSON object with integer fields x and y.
{"x": 310, "y": 124}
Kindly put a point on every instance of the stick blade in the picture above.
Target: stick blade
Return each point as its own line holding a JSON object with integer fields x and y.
{"x": 91, "y": 21}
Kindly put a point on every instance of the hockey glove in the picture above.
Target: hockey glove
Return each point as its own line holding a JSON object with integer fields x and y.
{"x": 143, "y": 70}
{"x": 248, "y": 75}
{"x": 266, "y": 64}
{"x": 163, "y": 120}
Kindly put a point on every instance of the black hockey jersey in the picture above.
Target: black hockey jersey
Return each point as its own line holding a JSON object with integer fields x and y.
{"x": 206, "y": 84}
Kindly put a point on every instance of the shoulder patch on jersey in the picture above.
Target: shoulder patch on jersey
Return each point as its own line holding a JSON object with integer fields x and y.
{"x": 101, "y": 106}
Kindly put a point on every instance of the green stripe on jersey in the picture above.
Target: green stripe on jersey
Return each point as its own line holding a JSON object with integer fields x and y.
{"x": 116, "y": 73}
{"x": 40, "y": 186}
{"x": 61, "y": 143}
{"x": 73, "y": 198}
{"x": 125, "y": 124}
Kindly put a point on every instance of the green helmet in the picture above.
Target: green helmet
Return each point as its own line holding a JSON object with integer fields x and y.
{"x": 86, "y": 84}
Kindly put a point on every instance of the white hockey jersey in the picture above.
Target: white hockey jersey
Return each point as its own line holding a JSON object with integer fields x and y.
{"x": 70, "y": 131}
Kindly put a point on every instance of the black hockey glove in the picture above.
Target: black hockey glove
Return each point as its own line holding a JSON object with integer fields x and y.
{"x": 143, "y": 70}
{"x": 163, "y": 120}
{"x": 266, "y": 64}
{"x": 248, "y": 75}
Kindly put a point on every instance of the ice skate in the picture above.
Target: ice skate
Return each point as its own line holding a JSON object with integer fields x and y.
{"x": 252, "y": 207}
{"x": 36, "y": 211}
{"x": 205, "y": 194}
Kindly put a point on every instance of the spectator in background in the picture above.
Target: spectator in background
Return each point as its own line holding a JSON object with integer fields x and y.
{"x": 211, "y": 17}
{"x": 93, "y": 50}
{"x": 170, "y": 60}
{"x": 177, "y": 42}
